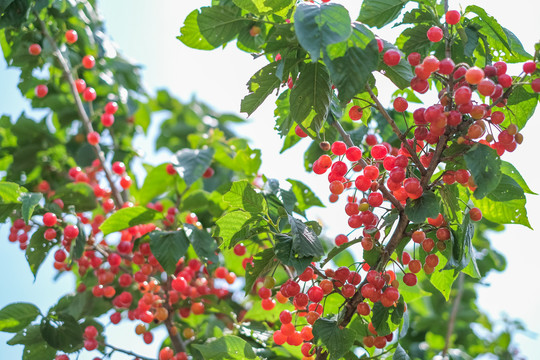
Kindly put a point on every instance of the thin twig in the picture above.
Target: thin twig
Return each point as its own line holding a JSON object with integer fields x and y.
{"x": 453, "y": 314}
{"x": 127, "y": 352}
{"x": 80, "y": 108}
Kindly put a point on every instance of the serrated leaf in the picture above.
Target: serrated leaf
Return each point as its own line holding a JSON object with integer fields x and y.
{"x": 156, "y": 182}
{"x": 169, "y": 247}
{"x": 507, "y": 212}
{"x": 260, "y": 85}
{"x": 263, "y": 263}
{"x": 38, "y": 351}
{"x": 508, "y": 189}
{"x": 226, "y": 348}
{"x": 37, "y": 250}
{"x": 485, "y": 167}
{"x": 192, "y": 163}
{"x": 337, "y": 340}
{"x": 400, "y": 354}
{"x": 520, "y": 106}
{"x": 15, "y": 317}
{"x": 27, "y": 336}
{"x": 219, "y": 24}
{"x": 286, "y": 254}
{"x": 29, "y": 203}
{"x": 319, "y": 25}
{"x": 380, "y": 12}
{"x": 243, "y": 196}
{"x": 80, "y": 195}
{"x": 62, "y": 332}
{"x": 380, "y": 319}
{"x": 129, "y": 217}
{"x": 510, "y": 170}
{"x": 204, "y": 245}
{"x": 420, "y": 209}
{"x": 311, "y": 92}
{"x": 305, "y": 240}
{"x": 230, "y": 224}
{"x": 190, "y": 34}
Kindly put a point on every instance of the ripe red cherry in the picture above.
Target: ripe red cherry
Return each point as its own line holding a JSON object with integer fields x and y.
{"x": 474, "y": 75}
{"x": 71, "y": 232}
{"x": 239, "y": 249}
{"x": 435, "y": 34}
{"x": 93, "y": 138}
{"x": 371, "y": 172}
{"x": 380, "y": 44}
{"x": 49, "y": 234}
{"x": 535, "y": 85}
{"x": 414, "y": 58}
{"x": 339, "y": 148}
{"x": 400, "y": 104}
{"x": 462, "y": 95}
{"x": 391, "y": 57}
{"x": 475, "y": 214}
{"x": 528, "y": 68}
{"x": 410, "y": 279}
{"x": 486, "y": 87}
{"x": 107, "y": 119}
{"x": 419, "y": 85}
{"x": 118, "y": 167}
{"x": 452, "y": 17}
{"x": 88, "y": 61}
{"x": 375, "y": 199}
{"x": 34, "y": 49}
{"x": 90, "y": 344}
{"x": 71, "y": 36}
{"x": 353, "y": 154}
{"x": 432, "y": 260}
{"x": 501, "y": 67}
{"x": 299, "y": 132}
{"x": 41, "y": 91}
{"x": 355, "y": 113}
{"x": 341, "y": 239}
{"x": 89, "y": 94}
{"x": 315, "y": 294}
{"x": 166, "y": 353}
{"x": 125, "y": 182}
{"x": 80, "y": 84}
{"x": 505, "y": 80}
{"x": 446, "y": 66}
{"x": 371, "y": 139}
{"x": 379, "y": 151}
{"x": 111, "y": 107}
{"x": 49, "y": 219}
{"x": 363, "y": 309}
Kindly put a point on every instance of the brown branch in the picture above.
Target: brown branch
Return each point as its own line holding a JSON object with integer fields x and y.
{"x": 176, "y": 340}
{"x": 453, "y": 314}
{"x": 396, "y": 130}
{"x": 441, "y": 145}
{"x": 127, "y": 352}
{"x": 80, "y": 108}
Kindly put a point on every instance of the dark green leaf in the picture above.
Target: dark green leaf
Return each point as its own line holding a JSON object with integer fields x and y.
{"x": 312, "y": 91}
{"x": 263, "y": 263}
{"x": 485, "y": 167}
{"x": 62, "y": 332}
{"x": 168, "y": 247}
{"x": 204, "y": 245}
{"x": 400, "y": 354}
{"x": 285, "y": 254}
{"x": 15, "y": 317}
{"x": 414, "y": 39}
{"x": 425, "y": 206}
{"x": 129, "y": 217}
{"x": 510, "y": 170}
{"x": 80, "y": 195}
{"x": 226, "y": 348}
{"x": 243, "y": 196}
{"x": 29, "y": 203}
{"x": 219, "y": 24}
{"x": 380, "y": 319}
{"x": 77, "y": 249}
{"x": 372, "y": 256}
{"x": 230, "y": 224}
{"x": 337, "y": 340}
{"x": 401, "y": 74}
{"x": 157, "y": 182}
{"x": 319, "y": 25}
{"x": 351, "y": 63}
{"x": 38, "y": 351}
{"x": 37, "y": 250}
{"x": 305, "y": 241}
{"x": 508, "y": 189}
{"x": 27, "y": 336}
{"x": 190, "y": 34}
{"x": 261, "y": 84}
{"x": 380, "y": 12}
{"x": 192, "y": 163}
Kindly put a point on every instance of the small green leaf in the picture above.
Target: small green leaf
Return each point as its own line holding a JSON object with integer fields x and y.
{"x": 305, "y": 240}
{"x": 38, "y": 351}
{"x": 261, "y": 84}
{"x": 129, "y": 217}
{"x": 157, "y": 182}
{"x": 420, "y": 209}
{"x": 29, "y": 203}
{"x": 62, "y": 332}
{"x": 337, "y": 340}
{"x": 15, "y": 317}
{"x": 191, "y": 164}
{"x": 77, "y": 249}
{"x": 380, "y": 318}
{"x": 485, "y": 167}
{"x": 80, "y": 195}
{"x": 243, "y": 196}
{"x": 319, "y": 25}
{"x": 230, "y": 224}
{"x": 204, "y": 245}
{"x": 263, "y": 263}
{"x": 226, "y": 348}
{"x": 372, "y": 256}
{"x": 9, "y": 192}
{"x": 168, "y": 247}
{"x": 380, "y": 12}
{"x": 219, "y": 24}
{"x": 520, "y": 106}
{"x": 285, "y": 254}
{"x": 37, "y": 250}
{"x": 442, "y": 280}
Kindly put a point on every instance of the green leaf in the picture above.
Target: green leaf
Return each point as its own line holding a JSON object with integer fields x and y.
{"x": 338, "y": 249}
{"x": 29, "y": 203}
{"x": 520, "y": 106}
{"x": 29, "y": 335}
{"x": 380, "y": 12}
{"x": 77, "y": 249}
{"x": 420, "y": 209}
{"x": 380, "y": 318}
{"x": 312, "y": 91}
{"x": 485, "y": 167}
{"x": 37, "y": 250}
{"x": 169, "y": 247}
{"x": 192, "y": 163}
{"x": 305, "y": 240}
{"x": 9, "y": 192}
{"x": 190, "y": 34}
{"x": 261, "y": 7}
{"x": 230, "y": 224}
{"x": 400, "y": 354}
{"x": 204, "y": 245}
{"x": 510, "y": 170}
{"x": 157, "y": 182}
{"x": 372, "y": 256}
{"x": 62, "y": 332}
{"x": 80, "y": 195}
{"x": 414, "y": 39}
{"x": 243, "y": 196}
{"x": 38, "y": 351}
{"x": 507, "y": 212}
{"x": 319, "y": 25}
{"x": 226, "y": 348}
{"x": 351, "y": 63}
{"x": 337, "y": 340}
{"x": 508, "y": 189}
{"x": 219, "y": 24}
{"x": 442, "y": 280}
{"x": 305, "y": 197}
{"x": 285, "y": 254}
{"x": 15, "y": 317}
{"x": 260, "y": 85}
{"x": 129, "y": 217}
{"x": 263, "y": 263}
{"x": 401, "y": 74}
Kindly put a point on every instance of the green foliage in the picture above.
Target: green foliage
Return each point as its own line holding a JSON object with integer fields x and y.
{"x": 420, "y": 209}
{"x": 15, "y": 317}
{"x": 378, "y": 13}
{"x": 485, "y": 167}
{"x": 336, "y": 340}
{"x": 191, "y": 164}
{"x": 62, "y": 332}
{"x": 168, "y": 248}
{"x": 37, "y": 250}
{"x": 227, "y": 347}
{"x": 129, "y": 217}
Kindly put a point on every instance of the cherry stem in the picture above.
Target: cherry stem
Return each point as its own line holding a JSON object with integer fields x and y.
{"x": 80, "y": 108}
{"x": 127, "y": 352}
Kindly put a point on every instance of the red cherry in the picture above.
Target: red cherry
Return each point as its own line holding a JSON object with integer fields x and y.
{"x": 71, "y": 232}
{"x": 71, "y": 36}
{"x": 400, "y": 104}
{"x": 80, "y": 84}
{"x": 107, "y": 119}
{"x": 299, "y": 132}
{"x": 339, "y": 148}
{"x": 446, "y": 66}
{"x": 88, "y": 61}
{"x": 355, "y": 113}
{"x": 208, "y": 173}
{"x": 89, "y": 94}
{"x": 414, "y": 58}
{"x": 240, "y": 249}
{"x": 93, "y": 138}
{"x": 474, "y": 75}
{"x": 475, "y": 214}
{"x": 535, "y": 85}
{"x": 435, "y": 34}
{"x": 391, "y": 57}
{"x": 380, "y": 45}
{"x": 528, "y": 68}
{"x": 125, "y": 182}
{"x": 41, "y": 91}
{"x": 49, "y": 219}
{"x": 410, "y": 279}
{"x": 315, "y": 294}
{"x": 452, "y": 17}
{"x": 34, "y": 49}
{"x": 342, "y": 239}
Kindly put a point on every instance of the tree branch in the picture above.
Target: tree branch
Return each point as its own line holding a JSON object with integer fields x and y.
{"x": 80, "y": 108}
{"x": 127, "y": 352}
{"x": 396, "y": 130}
{"x": 453, "y": 314}
{"x": 176, "y": 340}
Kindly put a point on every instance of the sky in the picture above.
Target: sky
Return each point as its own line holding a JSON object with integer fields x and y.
{"x": 146, "y": 31}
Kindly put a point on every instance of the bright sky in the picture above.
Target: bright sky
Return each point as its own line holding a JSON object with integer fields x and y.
{"x": 146, "y": 32}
